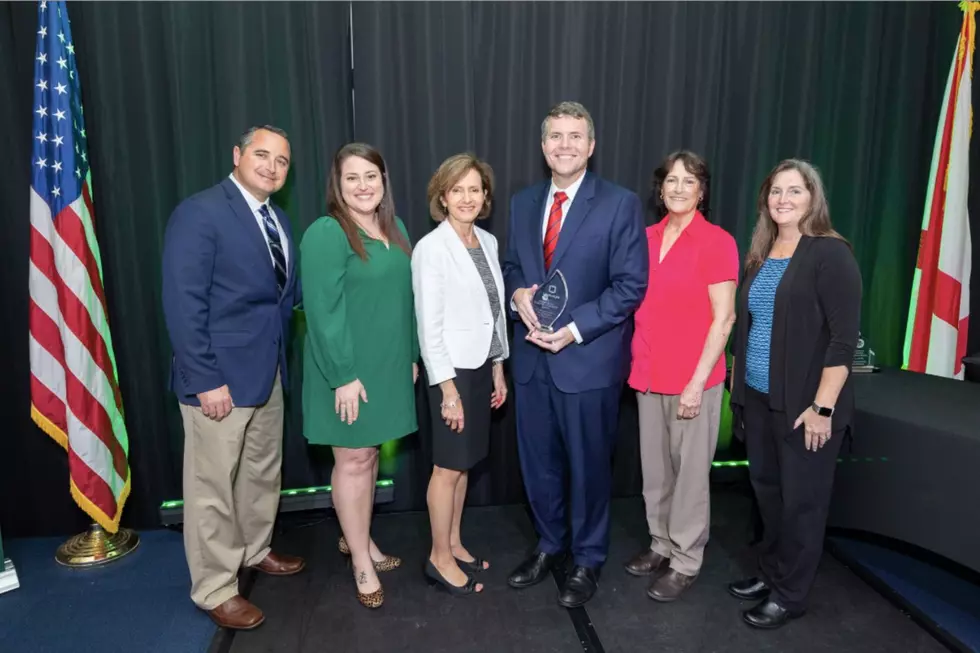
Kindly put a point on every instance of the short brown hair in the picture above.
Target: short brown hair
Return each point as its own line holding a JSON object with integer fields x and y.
{"x": 448, "y": 175}
{"x": 568, "y": 110}
{"x": 695, "y": 165}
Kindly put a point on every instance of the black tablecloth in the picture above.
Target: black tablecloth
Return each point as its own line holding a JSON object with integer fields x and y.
{"x": 911, "y": 471}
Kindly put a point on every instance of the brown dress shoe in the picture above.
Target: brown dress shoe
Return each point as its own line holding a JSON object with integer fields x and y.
{"x": 670, "y": 586}
{"x": 646, "y": 563}
{"x": 278, "y": 564}
{"x": 237, "y": 613}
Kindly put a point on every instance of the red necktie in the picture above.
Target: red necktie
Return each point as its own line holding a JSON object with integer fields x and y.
{"x": 554, "y": 226}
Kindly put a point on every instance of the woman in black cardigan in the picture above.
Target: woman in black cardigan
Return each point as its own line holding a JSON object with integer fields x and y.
{"x": 797, "y": 327}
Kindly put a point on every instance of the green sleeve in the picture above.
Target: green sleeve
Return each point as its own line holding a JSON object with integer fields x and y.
{"x": 324, "y": 255}
{"x": 414, "y": 336}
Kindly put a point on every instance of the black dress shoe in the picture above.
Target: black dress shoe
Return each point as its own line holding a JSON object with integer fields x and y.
{"x": 533, "y": 570}
{"x": 750, "y": 589}
{"x": 579, "y": 588}
{"x": 769, "y": 615}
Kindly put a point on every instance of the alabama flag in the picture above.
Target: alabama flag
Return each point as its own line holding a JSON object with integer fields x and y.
{"x": 935, "y": 341}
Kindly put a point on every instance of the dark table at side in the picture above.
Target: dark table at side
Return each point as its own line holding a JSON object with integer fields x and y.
{"x": 912, "y": 469}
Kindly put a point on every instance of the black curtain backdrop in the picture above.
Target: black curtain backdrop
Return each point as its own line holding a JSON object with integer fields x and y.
{"x": 854, "y": 87}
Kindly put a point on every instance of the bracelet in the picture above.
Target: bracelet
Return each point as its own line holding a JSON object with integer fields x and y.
{"x": 450, "y": 403}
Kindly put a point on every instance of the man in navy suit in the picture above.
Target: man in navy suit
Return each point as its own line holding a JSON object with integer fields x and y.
{"x": 569, "y": 381}
{"x": 229, "y": 286}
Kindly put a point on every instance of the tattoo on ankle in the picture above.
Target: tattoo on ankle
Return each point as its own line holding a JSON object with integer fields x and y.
{"x": 362, "y": 578}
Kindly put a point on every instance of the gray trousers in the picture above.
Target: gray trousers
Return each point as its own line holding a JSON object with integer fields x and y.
{"x": 676, "y": 457}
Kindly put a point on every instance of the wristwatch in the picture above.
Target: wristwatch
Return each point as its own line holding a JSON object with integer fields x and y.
{"x": 822, "y": 410}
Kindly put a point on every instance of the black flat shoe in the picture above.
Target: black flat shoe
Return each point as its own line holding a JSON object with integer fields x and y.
{"x": 533, "y": 570}
{"x": 579, "y": 588}
{"x": 769, "y": 615}
{"x": 474, "y": 566}
{"x": 750, "y": 589}
{"x": 433, "y": 577}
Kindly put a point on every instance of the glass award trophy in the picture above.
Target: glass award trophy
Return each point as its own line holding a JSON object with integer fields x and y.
{"x": 864, "y": 356}
{"x": 549, "y": 301}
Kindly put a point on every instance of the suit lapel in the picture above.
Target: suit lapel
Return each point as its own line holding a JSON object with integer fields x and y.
{"x": 464, "y": 262}
{"x": 250, "y": 226}
{"x": 536, "y": 236}
{"x": 581, "y": 206}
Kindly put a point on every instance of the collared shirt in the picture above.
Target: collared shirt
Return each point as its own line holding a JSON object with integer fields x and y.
{"x": 566, "y": 206}
{"x": 672, "y": 322}
{"x": 254, "y": 205}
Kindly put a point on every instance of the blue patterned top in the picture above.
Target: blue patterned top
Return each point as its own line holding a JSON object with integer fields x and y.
{"x": 762, "y": 299}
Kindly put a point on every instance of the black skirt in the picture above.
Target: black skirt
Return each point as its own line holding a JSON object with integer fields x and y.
{"x": 461, "y": 451}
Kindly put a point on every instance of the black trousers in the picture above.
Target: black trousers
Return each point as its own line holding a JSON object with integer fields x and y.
{"x": 793, "y": 487}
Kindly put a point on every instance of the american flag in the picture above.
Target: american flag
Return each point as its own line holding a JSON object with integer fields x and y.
{"x": 74, "y": 383}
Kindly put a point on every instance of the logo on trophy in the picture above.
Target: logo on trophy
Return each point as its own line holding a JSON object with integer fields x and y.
{"x": 549, "y": 301}
{"x": 864, "y": 357}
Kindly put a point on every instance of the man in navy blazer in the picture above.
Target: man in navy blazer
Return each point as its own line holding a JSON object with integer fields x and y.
{"x": 229, "y": 286}
{"x": 569, "y": 381}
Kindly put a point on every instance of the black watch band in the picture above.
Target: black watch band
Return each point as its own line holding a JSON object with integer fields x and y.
{"x": 822, "y": 410}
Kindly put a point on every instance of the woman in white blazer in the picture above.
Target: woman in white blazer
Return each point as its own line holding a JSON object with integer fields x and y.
{"x": 459, "y": 306}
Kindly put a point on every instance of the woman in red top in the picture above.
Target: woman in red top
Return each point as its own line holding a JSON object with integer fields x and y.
{"x": 678, "y": 371}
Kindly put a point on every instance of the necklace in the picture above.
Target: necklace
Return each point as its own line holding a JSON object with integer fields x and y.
{"x": 372, "y": 231}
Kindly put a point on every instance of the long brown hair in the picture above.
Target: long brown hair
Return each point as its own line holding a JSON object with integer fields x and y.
{"x": 815, "y": 223}
{"x": 337, "y": 208}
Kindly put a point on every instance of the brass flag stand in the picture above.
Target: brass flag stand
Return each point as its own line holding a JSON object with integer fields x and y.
{"x": 94, "y": 372}
{"x": 96, "y": 547}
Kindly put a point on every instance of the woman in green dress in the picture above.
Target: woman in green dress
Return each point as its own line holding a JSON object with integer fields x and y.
{"x": 359, "y": 364}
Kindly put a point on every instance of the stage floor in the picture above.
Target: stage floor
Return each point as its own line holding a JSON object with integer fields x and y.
{"x": 317, "y": 611}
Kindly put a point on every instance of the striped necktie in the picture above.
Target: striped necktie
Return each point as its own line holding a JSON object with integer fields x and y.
{"x": 275, "y": 245}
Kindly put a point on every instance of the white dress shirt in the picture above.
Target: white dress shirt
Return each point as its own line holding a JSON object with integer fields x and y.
{"x": 254, "y": 205}
{"x": 566, "y": 206}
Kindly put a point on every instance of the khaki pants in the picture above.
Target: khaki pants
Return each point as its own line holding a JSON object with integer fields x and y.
{"x": 232, "y": 478}
{"x": 676, "y": 457}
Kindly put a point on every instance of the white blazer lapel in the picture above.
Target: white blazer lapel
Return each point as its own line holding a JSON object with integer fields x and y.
{"x": 462, "y": 260}
{"x": 490, "y": 251}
